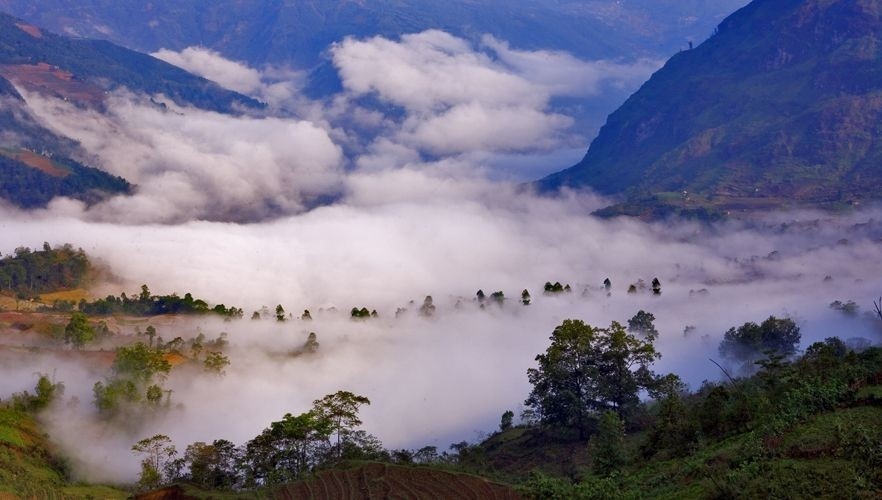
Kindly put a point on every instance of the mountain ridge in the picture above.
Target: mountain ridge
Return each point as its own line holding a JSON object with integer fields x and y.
{"x": 780, "y": 107}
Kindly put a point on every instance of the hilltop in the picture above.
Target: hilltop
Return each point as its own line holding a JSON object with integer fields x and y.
{"x": 781, "y": 107}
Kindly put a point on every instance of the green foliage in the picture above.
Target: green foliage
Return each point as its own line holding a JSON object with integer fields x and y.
{"x": 216, "y": 362}
{"x": 45, "y": 393}
{"x": 505, "y": 422}
{"x": 643, "y": 324}
{"x": 587, "y": 370}
{"x": 110, "y": 395}
{"x": 540, "y": 486}
{"x": 28, "y": 187}
{"x": 140, "y": 362}
{"x": 750, "y": 341}
{"x": 357, "y": 313}
{"x": 341, "y": 411}
{"x": 287, "y": 449}
{"x": 146, "y": 304}
{"x": 31, "y": 273}
{"x": 78, "y": 332}
{"x": 609, "y": 444}
{"x": 158, "y": 452}
{"x": 30, "y": 468}
{"x": 213, "y": 465}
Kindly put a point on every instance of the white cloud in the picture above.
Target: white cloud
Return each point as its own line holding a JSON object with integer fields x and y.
{"x": 562, "y": 74}
{"x": 275, "y": 86}
{"x": 194, "y": 164}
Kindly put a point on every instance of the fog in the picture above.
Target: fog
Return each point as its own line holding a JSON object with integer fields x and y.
{"x": 427, "y": 203}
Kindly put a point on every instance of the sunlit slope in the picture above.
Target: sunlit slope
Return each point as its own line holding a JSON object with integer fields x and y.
{"x": 30, "y": 469}
{"x": 782, "y": 106}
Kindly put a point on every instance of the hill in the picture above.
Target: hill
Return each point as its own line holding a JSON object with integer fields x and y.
{"x": 782, "y": 106}
{"x": 83, "y": 70}
{"x": 35, "y": 163}
{"x": 30, "y": 469}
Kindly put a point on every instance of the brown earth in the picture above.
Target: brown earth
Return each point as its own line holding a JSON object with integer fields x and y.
{"x": 393, "y": 481}
{"x": 52, "y": 80}
{"x": 40, "y": 162}
{"x": 30, "y": 30}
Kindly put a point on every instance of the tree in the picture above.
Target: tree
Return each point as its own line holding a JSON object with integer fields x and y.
{"x": 642, "y": 324}
{"x": 525, "y": 297}
{"x": 480, "y": 296}
{"x": 78, "y": 332}
{"x": 587, "y": 370}
{"x": 154, "y": 394}
{"x": 750, "y": 341}
{"x": 159, "y": 451}
{"x": 214, "y": 465}
{"x": 506, "y": 420}
{"x": 151, "y": 334}
{"x": 140, "y": 362}
{"x": 607, "y": 284}
{"x": 280, "y": 313}
{"x": 311, "y": 345}
{"x": 287, "y": 449}
{"x": 341, "y": 410}
{"x": 427, "y": 310}
{"x": 306, "y": 316}
{"x": 609, "y": 444}
{"x": 215, "y": 362}
{"x": 656, "y": 286}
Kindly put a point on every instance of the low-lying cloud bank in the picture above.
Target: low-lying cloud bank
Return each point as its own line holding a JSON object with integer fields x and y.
{"x": 448, "y": 378}
{"x": 413, "y": 214}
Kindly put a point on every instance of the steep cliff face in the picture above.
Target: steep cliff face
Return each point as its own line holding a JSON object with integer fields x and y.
{"x": 782, "y": 105}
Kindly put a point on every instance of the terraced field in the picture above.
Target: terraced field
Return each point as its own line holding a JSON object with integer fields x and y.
{"x": 377, "y": 480}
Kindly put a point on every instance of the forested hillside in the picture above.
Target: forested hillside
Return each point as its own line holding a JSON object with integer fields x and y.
{"x": 780, "y": 107}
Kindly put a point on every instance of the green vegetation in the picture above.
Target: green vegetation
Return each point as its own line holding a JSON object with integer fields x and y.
{"x": 30, "y": 468}
{"x": 147, "y": 304}
{"x": 29, "y": 187}
{"x": 29, "y": 273}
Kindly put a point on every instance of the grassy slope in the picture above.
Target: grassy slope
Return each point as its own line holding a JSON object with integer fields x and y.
{"x": 29, "y": 469}
{"x": 806, "y": 461}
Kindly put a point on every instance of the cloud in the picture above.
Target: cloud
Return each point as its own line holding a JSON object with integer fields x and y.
{"x": 457, "y": 99}
{"x": 193, "y": 164}
{"x": 273, "y": 85}
{"x": 562, "y": 74}
{"x": 399, "y": 235}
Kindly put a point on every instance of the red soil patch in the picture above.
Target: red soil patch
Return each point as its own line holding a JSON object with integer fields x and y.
{"x": 47, "y": 79}
{"x": 41, "y": 163}
{"x": 30, "y": 30}
{"x": 393, "y": 481}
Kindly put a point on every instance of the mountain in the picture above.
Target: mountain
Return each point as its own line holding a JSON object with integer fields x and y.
{"x": 83, "y": 70}
{"x": 298, "y": 31}
{"x": 36, "y": 164}
{"x": 782, "y": 106}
